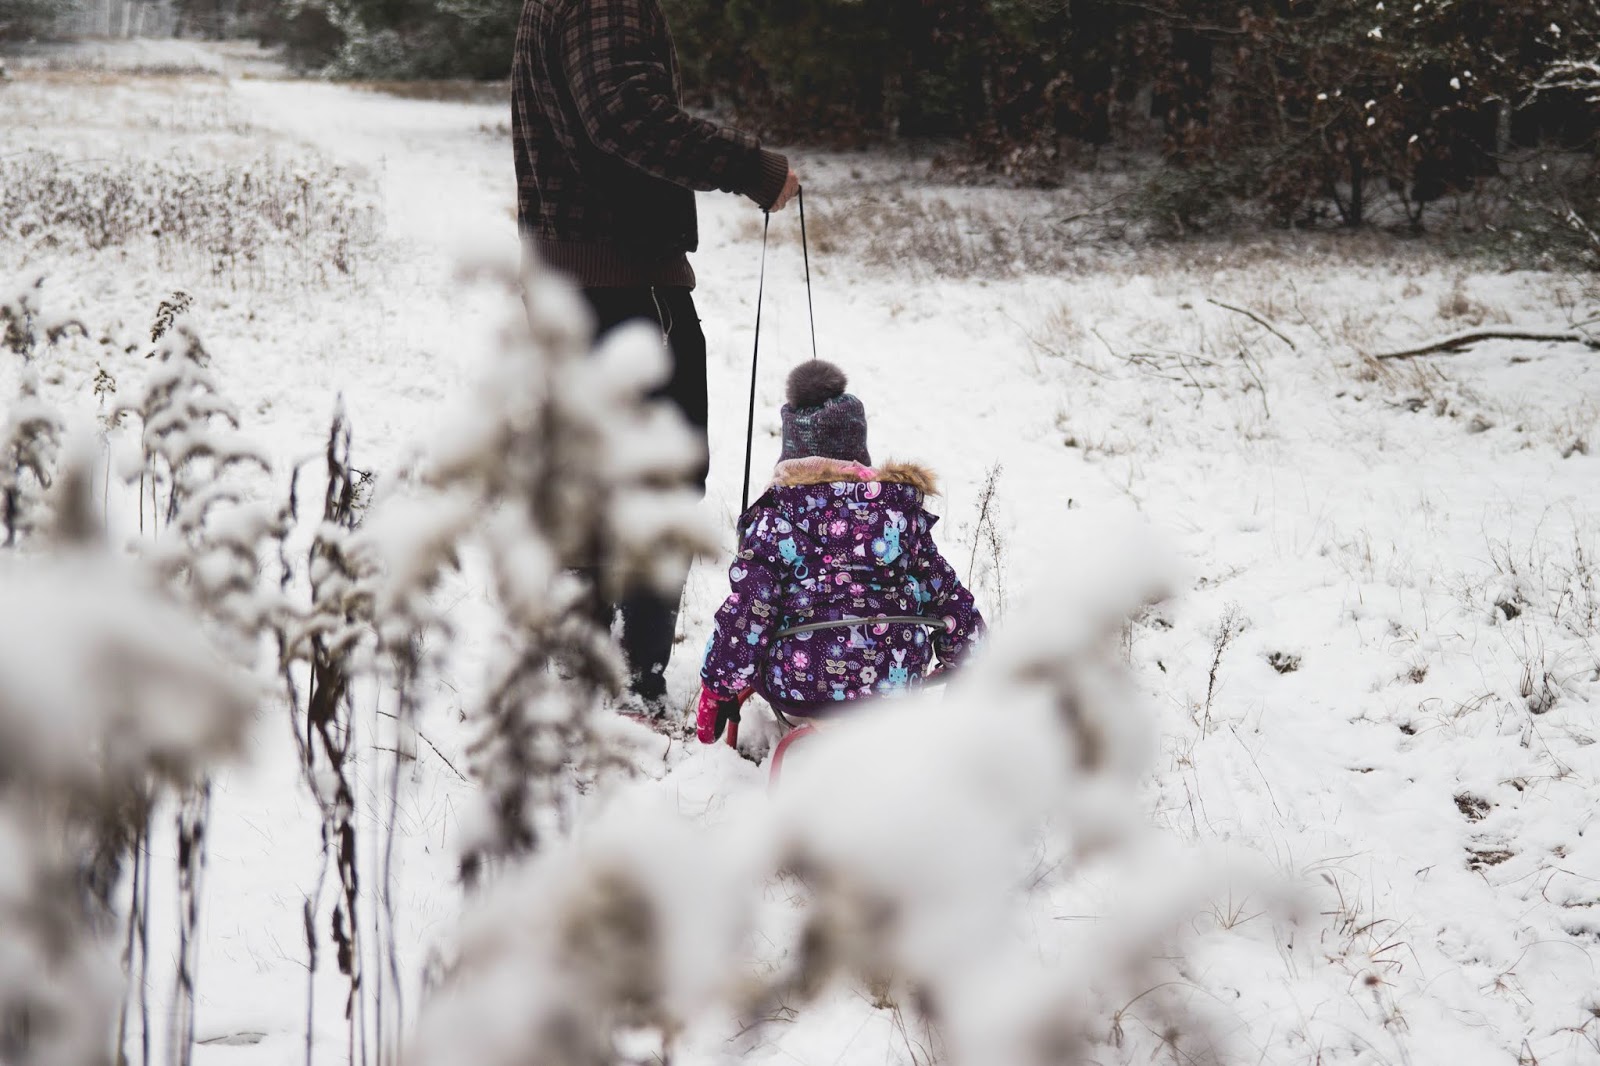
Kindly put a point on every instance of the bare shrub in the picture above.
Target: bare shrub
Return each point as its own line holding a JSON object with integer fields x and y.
{"x": 986, "y": 535}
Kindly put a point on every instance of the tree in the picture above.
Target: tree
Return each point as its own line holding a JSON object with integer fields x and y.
{"x": 22, "y": 20}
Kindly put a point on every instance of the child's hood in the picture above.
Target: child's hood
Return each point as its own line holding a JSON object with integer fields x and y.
{"x": 820, "y": 470}
{"x": 800, "y": 487}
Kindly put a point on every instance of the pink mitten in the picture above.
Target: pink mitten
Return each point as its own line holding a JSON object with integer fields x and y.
{"x": 714, "y": 712}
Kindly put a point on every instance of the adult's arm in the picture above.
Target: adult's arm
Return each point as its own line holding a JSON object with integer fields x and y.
{"x": 628, "y": 103}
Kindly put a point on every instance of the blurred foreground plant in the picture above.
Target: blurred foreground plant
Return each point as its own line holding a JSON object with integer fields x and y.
{"x": 911, "y": 830}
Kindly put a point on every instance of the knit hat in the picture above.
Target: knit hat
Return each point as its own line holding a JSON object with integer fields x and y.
{"x": 821, "y": 418}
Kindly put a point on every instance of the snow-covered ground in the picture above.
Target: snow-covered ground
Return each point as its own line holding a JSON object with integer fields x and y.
{"x": 1379, "y": 685}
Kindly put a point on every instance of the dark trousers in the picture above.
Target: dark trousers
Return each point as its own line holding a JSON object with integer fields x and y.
{"x": 649, "y": 619}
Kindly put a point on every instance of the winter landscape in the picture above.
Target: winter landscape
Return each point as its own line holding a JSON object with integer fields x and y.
{"x": 1281, "y": 748}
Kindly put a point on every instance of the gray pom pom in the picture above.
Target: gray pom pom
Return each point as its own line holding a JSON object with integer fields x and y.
{"x": 813, "y": 383}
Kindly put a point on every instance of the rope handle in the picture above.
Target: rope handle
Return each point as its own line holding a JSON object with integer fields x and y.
{"x": 755, "y": 354}
{"x": 805, "y": 251}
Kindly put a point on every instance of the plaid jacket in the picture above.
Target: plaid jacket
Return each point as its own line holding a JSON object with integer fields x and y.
{"x": 607, "y": 159}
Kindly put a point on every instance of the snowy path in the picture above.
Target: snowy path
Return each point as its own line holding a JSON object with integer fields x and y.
{"x": 1363, "y": 542}
{"x": 1400, "y": 559}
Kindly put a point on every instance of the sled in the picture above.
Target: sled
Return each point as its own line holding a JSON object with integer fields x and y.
{"x": 796, "y": 732}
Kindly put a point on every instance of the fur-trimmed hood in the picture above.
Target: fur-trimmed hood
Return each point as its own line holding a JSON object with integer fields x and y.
{"x": 820, "y": 470}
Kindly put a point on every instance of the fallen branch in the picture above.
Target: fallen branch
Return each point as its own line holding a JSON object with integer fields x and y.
{"x": 1257, "y": 319}
{"x": 1464, "y": 340}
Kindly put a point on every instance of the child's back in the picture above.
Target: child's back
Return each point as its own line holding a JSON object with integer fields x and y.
{"x": 832, "y": 541}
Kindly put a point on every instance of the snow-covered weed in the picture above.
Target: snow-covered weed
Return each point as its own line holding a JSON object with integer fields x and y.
{"x": 1554, "y": 572}
{"x": 573, "y": 482}
{"x": 30, "y": 439}
{"x": 268, "y": 220}
{"x": 989, "y": 541}
{"x": 31, "y": 430}
{"x": 113, "y": 700}
{"x": 914, "y": 836}
{"x": 561, "y": 466}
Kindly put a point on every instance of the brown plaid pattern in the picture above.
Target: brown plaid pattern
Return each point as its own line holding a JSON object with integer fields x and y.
{"x": 605, "y": 155}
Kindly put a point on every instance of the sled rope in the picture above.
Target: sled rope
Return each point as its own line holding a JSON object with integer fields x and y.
{"x": 755, "y": 354}
{"x": 805, "y": 252}
{"x": 755, "y": 357}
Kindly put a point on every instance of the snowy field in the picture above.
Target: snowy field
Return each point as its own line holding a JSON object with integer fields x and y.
{"x": 1372, "y": 695}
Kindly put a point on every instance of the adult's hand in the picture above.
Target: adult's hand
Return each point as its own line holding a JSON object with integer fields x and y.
{"x": 791, "y": 188}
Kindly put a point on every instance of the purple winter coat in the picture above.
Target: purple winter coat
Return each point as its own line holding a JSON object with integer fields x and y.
{"x": 832, "y": 540}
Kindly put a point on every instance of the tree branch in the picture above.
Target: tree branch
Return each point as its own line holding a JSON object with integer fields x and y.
{"x": 1464, "y": 340}
{"x": 1257, "y": 319}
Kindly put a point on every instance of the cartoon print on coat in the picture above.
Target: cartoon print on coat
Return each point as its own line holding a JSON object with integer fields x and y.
{"x": 867, "y": 554}
{"x": 791, "y": 555}
{"x": 887, "y": 547}
{"x": 899, "y": 674}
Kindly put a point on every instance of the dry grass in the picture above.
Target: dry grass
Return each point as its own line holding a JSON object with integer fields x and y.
{"x": 959, "y": 236}
{"x": 53, "y": 110}
{"x": 452, "y": 91}
{"x": 1458, "y": 306}
{"x": 910, "y": 226}
{"x": 253, "y": 221}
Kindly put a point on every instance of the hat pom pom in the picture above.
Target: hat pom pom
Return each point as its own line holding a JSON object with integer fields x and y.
{"x": 815, "y": 382}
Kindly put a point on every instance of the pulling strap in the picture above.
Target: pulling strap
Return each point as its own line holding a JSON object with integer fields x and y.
{"x": 805, "y": 250}
{"x": 755, "y": 355}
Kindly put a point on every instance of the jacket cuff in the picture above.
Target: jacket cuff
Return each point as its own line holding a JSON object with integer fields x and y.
{"x": 771, "y": 172}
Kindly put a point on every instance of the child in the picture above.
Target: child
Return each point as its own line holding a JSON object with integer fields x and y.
{"x": 832, "y": 541}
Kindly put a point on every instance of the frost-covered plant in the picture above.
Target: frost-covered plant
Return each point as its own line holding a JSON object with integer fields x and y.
{"x": 572, "y": 482}
{"x": 583, "y": 474}
{"x": 30, "y": 439}
{"x": 27, "y": 326}
{"x": 557, "y": 466}
{"x": 212, "y": 530}
{"x": 30, "y": 434}
{"x": 112, "y": 698}
{"x": 323, "y": 650}
{"x": 210, "y": 535}
{"x": 190, "y": 447}
{"x": 912, "y": 830}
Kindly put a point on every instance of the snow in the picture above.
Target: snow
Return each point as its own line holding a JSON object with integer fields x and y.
{"x": 102, "y": 679}
{"x": 1371, "y": 811}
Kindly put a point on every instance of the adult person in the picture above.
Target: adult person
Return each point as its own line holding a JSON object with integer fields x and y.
{"x": 607, "y": 166}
